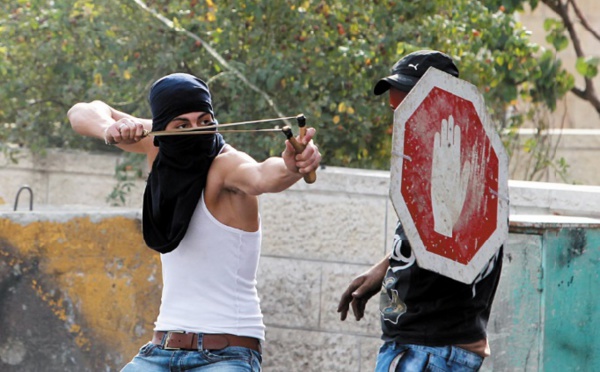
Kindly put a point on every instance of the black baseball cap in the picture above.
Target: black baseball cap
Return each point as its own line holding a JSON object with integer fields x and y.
{"x": 409, "y": 69}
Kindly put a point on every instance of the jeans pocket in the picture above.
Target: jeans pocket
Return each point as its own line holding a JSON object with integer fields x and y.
{"x": 229, "y": 353}
{"x": 147, "y": 349}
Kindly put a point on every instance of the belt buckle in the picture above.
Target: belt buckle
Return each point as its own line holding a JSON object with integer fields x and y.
{"x": 166, "y": 343}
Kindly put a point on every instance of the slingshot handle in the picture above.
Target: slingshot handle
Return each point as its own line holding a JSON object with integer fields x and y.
{"x": 301, "y": 119}
{"x": 310, "y": 177}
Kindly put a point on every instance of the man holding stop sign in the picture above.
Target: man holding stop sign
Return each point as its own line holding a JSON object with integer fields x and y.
{"x": 431, "y": 320}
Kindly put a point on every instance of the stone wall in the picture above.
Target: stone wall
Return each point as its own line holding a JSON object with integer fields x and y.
{"x": 77, "y": 270}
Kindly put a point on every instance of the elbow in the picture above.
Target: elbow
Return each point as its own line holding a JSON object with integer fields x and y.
{"x": 80, "y": 113}
{"x": 74, "y": 113}
{"x": 80, "y": 108}
{"x": 74, "y": 109}
{"x": 78, "y": 119}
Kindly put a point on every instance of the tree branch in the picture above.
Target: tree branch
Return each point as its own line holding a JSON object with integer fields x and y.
{"x": 562, "y": 10}
{"x": 583, "y": 20}
{"x": 213, "y": 53}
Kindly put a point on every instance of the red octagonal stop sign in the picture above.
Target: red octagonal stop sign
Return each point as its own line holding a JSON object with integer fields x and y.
{"x": 449, "y": 177}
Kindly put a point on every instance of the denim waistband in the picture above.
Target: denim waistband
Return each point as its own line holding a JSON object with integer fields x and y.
{"x": 452, "y": 354}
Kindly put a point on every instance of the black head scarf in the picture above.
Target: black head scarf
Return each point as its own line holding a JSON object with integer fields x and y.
{"x": 180, "y": 169}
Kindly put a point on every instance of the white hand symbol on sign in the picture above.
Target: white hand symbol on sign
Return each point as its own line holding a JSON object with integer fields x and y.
{"x": 448, "y": 182}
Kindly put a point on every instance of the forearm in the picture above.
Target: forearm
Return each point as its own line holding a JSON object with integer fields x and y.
{"x": 275, "y": 176}
{"x": 93, "y": 119}
{"x": 362, "y": 288}
{"x": 90, "y": 119}
{"x": 380, "y": 268}
{"x": 241, "y": 172}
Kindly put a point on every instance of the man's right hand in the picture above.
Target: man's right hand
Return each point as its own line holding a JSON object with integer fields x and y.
{"x": 125, "y": 131}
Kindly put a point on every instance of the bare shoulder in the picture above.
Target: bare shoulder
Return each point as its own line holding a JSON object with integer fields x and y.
{"x": 224, "y": 199}
{"x": 230, "y": 160}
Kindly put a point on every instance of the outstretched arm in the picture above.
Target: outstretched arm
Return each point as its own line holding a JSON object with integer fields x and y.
{"x": 241, "y": 172}
{"x": 361, "y": 289}
{"x": 98, "y": 120}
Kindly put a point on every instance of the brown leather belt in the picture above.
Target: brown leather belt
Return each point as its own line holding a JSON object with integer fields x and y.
{"x": 176, "y": 340}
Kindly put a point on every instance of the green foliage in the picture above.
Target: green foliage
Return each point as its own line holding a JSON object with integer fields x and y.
{"x": 127, "y": 171}
{"x": 496, "y": 54}
{"x": 556, "y": 34}
{"x": 313, "y": 57}
{"x": 587, "y": 67}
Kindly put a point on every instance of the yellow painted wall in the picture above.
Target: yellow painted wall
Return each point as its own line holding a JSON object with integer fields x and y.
{"x": 97, "y": 278}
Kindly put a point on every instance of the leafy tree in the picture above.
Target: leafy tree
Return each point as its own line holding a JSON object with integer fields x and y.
{"x": 562, "y": 33}
{"x": 262, "y": 59}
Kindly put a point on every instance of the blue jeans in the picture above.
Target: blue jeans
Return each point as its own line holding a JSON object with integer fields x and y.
{"x": 153, "y": 358}
{"x": 394, "y": 357}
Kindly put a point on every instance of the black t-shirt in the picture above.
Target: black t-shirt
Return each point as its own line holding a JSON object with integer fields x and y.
{"x": 422, "y": 307}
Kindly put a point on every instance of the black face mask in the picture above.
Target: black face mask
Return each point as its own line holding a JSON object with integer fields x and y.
{"x": 180, "y": 169}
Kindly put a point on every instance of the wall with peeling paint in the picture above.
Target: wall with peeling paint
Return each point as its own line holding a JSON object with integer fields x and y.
{"x": 571, "y": 302}
{"x": 80, "y": 292}
{"x": 544, "y": 314}
{"x": 77, "y": 292}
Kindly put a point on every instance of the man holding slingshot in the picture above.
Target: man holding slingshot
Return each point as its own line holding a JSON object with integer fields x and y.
{"x": 200, "y": 211}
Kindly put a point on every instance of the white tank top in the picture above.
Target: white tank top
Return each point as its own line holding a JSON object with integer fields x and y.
{"x": 209, "y": 280}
